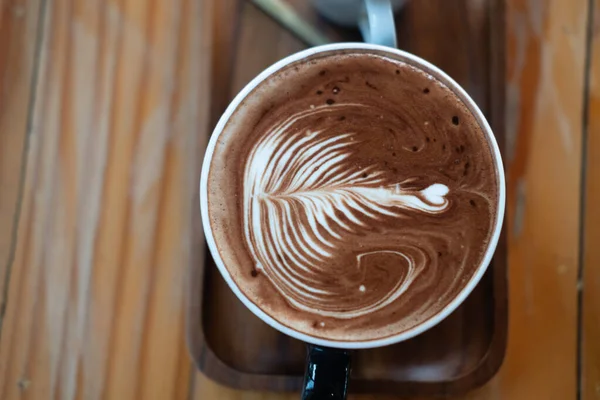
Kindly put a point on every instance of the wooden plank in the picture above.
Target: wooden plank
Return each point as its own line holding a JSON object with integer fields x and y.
{"x": 222, "y": 54}
{"x": 546, "y": 67}
{"x": 96, "y": 299}
{"x": 18, "y": 40}
{"x": 590, "y": 348}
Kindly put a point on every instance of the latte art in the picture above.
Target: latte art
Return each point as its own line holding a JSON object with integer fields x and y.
{"x": 350, "y": 196}
{"x": 303, "y": 197}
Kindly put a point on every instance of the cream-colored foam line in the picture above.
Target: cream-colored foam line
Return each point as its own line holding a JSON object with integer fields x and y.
{"x": 296, "y": 184}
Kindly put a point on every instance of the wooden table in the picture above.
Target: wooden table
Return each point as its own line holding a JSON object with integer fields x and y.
{"x": 103, "y": 119}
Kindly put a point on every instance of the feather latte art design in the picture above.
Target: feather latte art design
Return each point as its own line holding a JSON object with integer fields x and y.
{"x": 303, "y": 200}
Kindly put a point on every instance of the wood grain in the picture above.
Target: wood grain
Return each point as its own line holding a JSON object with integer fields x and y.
{"x": 546, "y": 64}
{"x": 96, "y": 299}
{"x": 590, "y": 346}
{"x": 95, "y": 302}
{"x": 19, "y": 28}
{"x": 222, "y": 54}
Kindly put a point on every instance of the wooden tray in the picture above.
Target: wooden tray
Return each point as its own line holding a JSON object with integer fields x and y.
{"x": 232, "y": 346}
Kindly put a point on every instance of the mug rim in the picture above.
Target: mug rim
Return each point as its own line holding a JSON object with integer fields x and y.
{"x": 410, "y": 59}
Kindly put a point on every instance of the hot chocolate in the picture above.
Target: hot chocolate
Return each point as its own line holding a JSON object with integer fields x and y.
{"x": 352, "y": 196}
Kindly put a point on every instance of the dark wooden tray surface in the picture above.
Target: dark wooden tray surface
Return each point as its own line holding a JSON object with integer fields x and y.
{"x": 232, "y": 346}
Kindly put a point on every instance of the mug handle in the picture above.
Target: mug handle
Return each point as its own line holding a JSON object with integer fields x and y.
{"x": 327, "y": 373}
{"x": 376, "y": 23}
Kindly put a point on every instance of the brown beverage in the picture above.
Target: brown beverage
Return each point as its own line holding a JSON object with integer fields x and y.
{"x": 352, "y": 196}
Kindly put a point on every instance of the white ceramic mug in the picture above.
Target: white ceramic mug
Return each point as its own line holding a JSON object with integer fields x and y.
{"x": 328, "y": 361}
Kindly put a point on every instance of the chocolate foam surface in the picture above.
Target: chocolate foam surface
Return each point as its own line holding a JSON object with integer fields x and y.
{"x": 352, "y": 196}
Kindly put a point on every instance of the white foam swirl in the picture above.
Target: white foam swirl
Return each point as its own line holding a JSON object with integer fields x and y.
{"x": 302, "y": 198}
